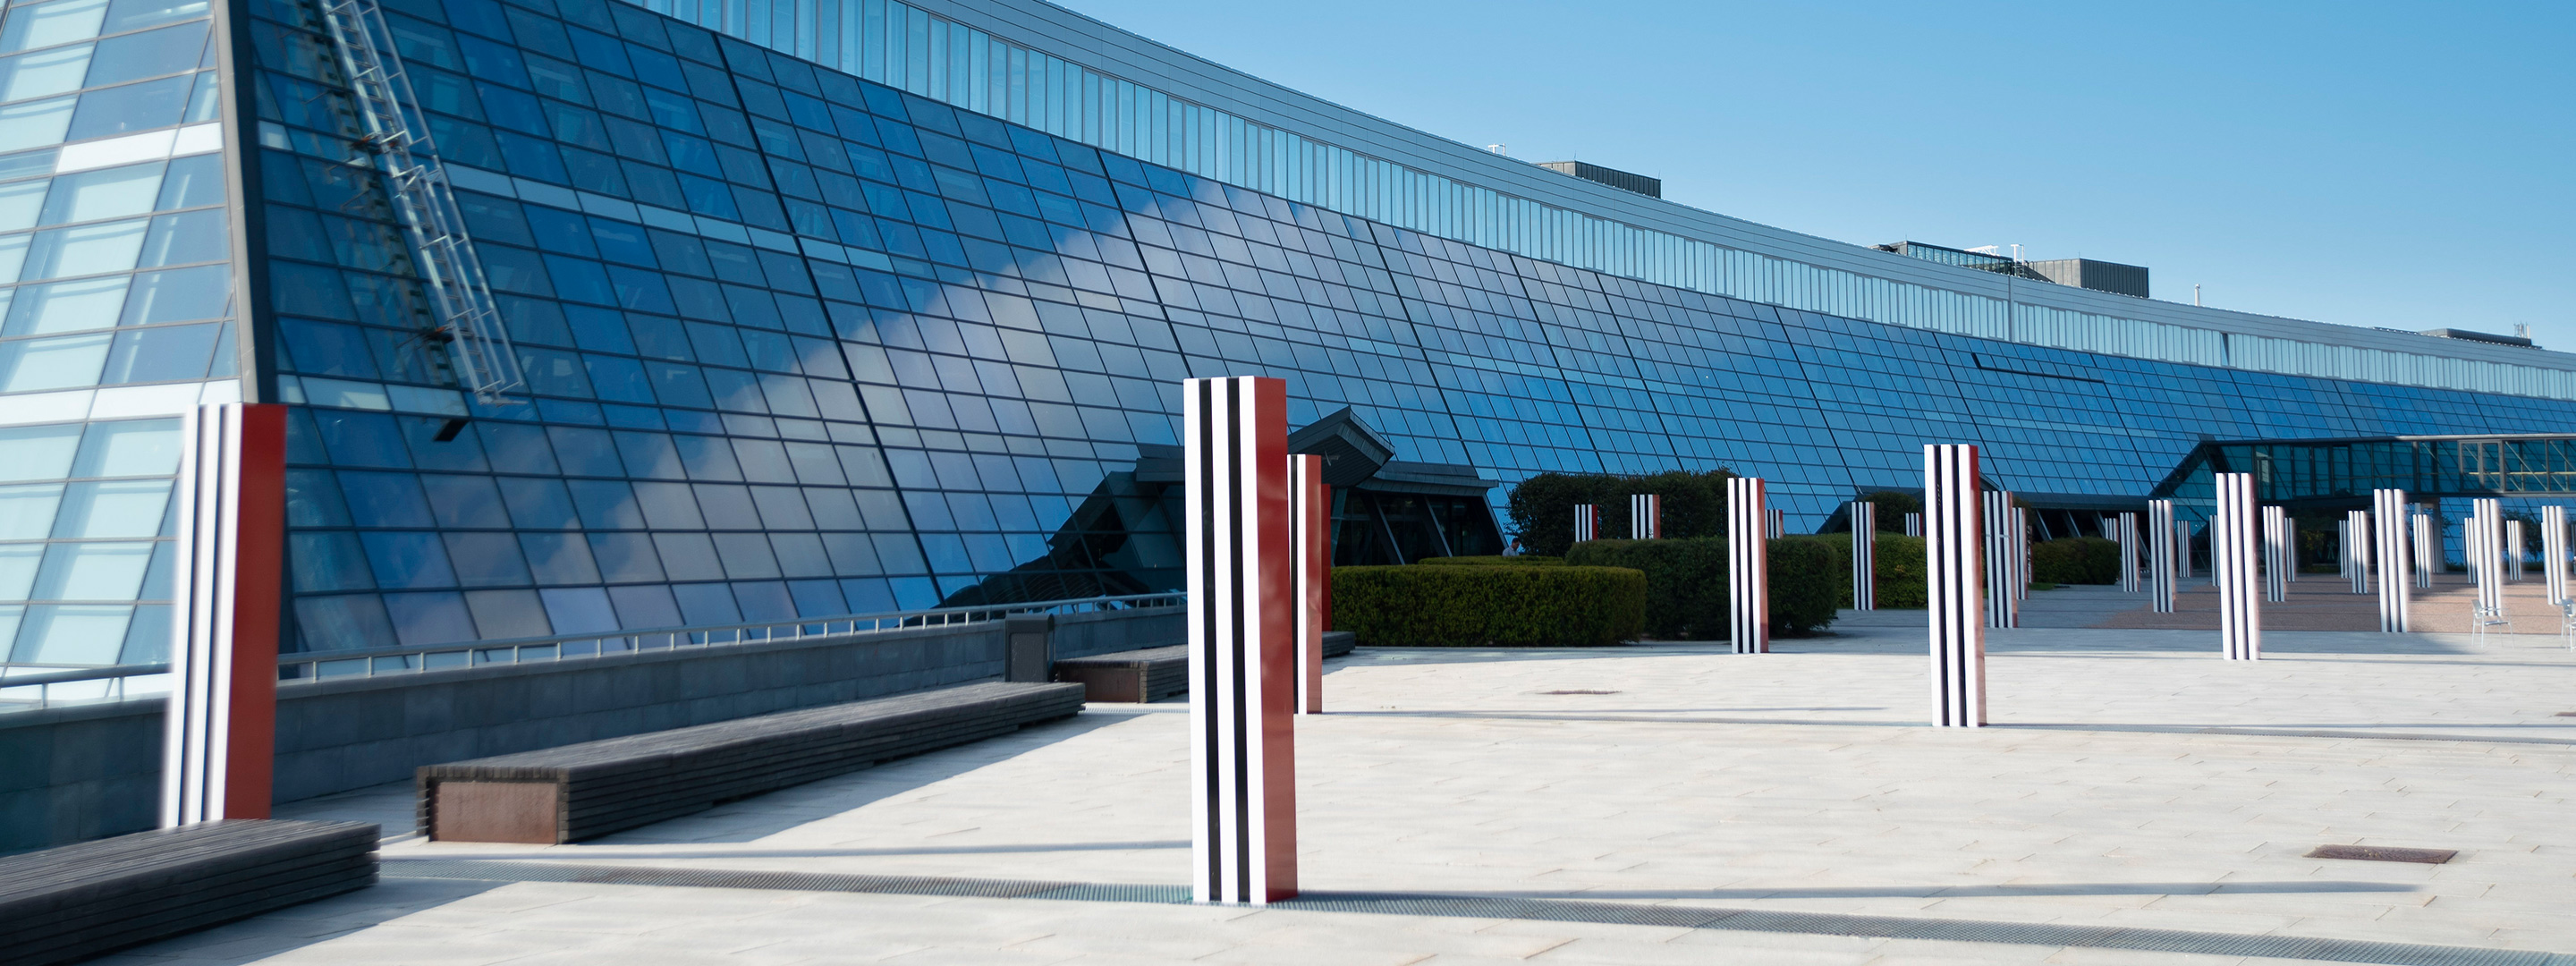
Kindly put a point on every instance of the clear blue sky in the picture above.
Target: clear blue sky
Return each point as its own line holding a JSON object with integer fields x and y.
{"x": 2401, "y": 165}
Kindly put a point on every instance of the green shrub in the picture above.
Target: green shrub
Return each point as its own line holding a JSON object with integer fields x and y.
{"x": 1471, "y": 606}
{"x": 1524, "y": 560}
{"x": 1542, "y": 507}
{"x": 1686, "y": 591}
{"x": 1901, "y": 580}
{"x": 1807, "y": 581}
{"x": 1685, "y": 582}
{"x": 2075, "y": 560}
{"x": 1900, "y": 569}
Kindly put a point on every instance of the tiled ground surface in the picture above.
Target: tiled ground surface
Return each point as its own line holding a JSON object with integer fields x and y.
{"x": 2133, "y": 779}
{"x": 2325, "y": 602}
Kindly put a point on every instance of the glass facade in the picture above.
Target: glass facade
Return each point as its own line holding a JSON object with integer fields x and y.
{"x": 801, "y": 344}
{"x": 116, "y": 275}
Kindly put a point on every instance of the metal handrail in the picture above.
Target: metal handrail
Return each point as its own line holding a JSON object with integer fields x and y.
{"x": 316, "y": 665}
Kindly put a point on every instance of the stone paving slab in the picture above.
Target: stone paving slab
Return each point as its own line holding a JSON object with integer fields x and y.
{"x": 2133, "y": 780}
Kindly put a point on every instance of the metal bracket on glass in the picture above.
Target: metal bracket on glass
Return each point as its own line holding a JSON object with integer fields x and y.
{"x": 468, "y": 321}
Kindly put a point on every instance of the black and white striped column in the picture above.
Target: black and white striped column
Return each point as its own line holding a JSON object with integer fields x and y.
{"x": 2356, "y": 549}
{"x": 2553, "y": 552}
{"x": 2021, "y": 560}
{"x": 1914, "y": 524}
{"x": 1954, "y": 579}
{"x": 1778, "y": 526}
{"x": 2484, "y": 544}
{"x": 1864, "y": 555}
{"x": 2233, "y": 540}
{"x": 2389, "y": 537}
{"x": 1310, "y": 508}
{"x": 2003, "y": 598}
{"x": 2513, "y": 551}
{"x": 2276, "y": 553}
{"x": 2428, "y": 550}
{"x": 2125, "y": 530}
{"x": 2162, "y": 578}
{"x": 1242, "y": 561}
{"x": 1645, "y": 517}
{"x": 1587, "y": 522}
{"x": 1748, "y": 566}
{"x": 2182, "y": 549}
{"x": 219, "y": 738}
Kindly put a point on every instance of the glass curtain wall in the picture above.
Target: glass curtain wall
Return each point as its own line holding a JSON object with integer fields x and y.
{"x": 911, "y": 49}
{"x": 801, "y": 344}
{"x": 115, "y": 308}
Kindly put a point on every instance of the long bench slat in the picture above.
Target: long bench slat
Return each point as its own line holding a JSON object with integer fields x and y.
{"x": 615, "y": 784}
{"x": 77, "y": 901}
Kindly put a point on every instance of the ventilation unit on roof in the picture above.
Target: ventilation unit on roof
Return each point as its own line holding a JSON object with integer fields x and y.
{"x": 1622, "y": 180}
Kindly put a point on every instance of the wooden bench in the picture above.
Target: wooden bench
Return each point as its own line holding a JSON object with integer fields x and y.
{"x": 1153, "y": 673}
{"x": 77, "y": 901}
{"x": 587, "y": 790}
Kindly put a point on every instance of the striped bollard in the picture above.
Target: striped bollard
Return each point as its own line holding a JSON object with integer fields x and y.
{"x": 2427, "y": 550}
{"x": 1914, "y": 524}
{"x": 1587, "y": 522}
{"x": 1864, "y": 555}
{"x": 2356, "y": 549}
{"x": 2125, "y": 530}
{"x": 1310, "y": 506}
{"x": 1645, "y": 517}
{"x": 1954, "y": 577}
{"x": 2276, "y": 551}
{"x": 2389, "y": 542}
{"x": 1748, "y": 567}
{"x": 2021, "y": 560}
{"x": 2484, "y": 544}
{"x": 219, "y": 734}
{"x": 2162, "y": 579}
{"x": 2002, "y": 598}
{"x": 1242, "y": 558}
{"x": 2513, "y": 556}
{"x": 2232, "y": 554}
{"x": 2553, "y": 552}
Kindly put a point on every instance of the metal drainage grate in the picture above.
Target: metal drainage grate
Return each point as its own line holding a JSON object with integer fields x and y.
{"x": 1549, "y": 910}
{"x": 1577, "y": 691}
{"x": 2383, "y": 853}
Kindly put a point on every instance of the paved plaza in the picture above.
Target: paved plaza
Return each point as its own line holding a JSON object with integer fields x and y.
{"x": 2133, "y": 781}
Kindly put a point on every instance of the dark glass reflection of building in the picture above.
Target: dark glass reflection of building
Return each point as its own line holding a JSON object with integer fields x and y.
{"x": 859, "y": 305}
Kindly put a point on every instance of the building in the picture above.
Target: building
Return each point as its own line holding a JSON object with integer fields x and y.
{"x": 859, "y": 305}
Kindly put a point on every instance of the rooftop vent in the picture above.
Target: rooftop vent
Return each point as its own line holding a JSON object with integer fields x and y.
{"x": 2077, "y": 272}
{"x": 1622, "y": 180}
{"x": 2478, "y": 336}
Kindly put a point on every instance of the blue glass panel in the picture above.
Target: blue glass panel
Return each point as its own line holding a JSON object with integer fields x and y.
{"x": 408, "y": 560}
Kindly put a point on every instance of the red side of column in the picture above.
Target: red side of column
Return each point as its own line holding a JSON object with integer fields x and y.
{"x": 258, "y": 571}
{"x": 1278, "y": 637}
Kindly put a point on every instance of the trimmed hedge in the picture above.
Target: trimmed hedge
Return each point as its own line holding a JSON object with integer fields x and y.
{"x": 1524, "y": 560}
{"x": 1686, "y": 592}
{"x": 1482, "y": 606}
{"x": 1685, "y": 582}
{"x": 2075, "y": 560}
{"x": 1900, "y": 569}
{"x": 1542, "y": 507}
{"x": 1807, "y": 583}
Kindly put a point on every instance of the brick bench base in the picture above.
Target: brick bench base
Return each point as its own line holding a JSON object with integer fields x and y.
{"x": 1153, "y": 673}
{"x": 588, "y": 790}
